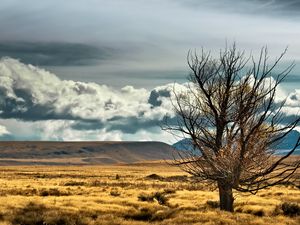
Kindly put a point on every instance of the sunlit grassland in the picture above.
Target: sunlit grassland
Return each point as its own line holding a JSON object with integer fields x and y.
{"x": 126, "y": 195}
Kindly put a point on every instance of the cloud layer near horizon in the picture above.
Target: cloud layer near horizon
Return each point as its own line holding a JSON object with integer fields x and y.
{"x": 36, "y": 96}
{"x": 37, "y": 105}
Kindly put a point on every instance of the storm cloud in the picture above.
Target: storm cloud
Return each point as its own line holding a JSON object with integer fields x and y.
{"x": 263, "y": 7}
{"x": 56, "y": 54}
{"x": 125, "y": 40}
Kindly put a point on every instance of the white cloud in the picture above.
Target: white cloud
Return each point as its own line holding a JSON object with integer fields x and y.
{"x": 36, "y": 104}
{"x": 291, "y": 108}
{"x": 37, "y": 100}
{"x": 293, "y": 99}
{"x": 3, "y": 130}
{"x": 61, "y": 130}
{"x": 31, "y": 93}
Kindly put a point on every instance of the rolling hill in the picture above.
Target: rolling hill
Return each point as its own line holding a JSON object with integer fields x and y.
{"x": 81, "y": 153}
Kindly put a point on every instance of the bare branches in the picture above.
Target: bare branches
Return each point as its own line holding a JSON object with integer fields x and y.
{"x": 231, "y": 115}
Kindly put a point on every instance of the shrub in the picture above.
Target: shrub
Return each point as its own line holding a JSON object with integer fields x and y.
{"x": 52, "y": 192}
{"x": 31, "y": 214}
{"x": 38, "y": 214}
{"x": 161, "y": 198}
{"x": 163, "y": 214}
{"x": 255, "y": 212}
{"x": 213, "y": 204}
{"x": 143, "y": 197}
{"x": 2, "y": 216}
{"x": 144, "y": 214}
{"x": 259, "y": 212}
{"x": 290, "y": 209}
{"x": 115, "y": 193}
{"x": 74, "y": 183}
{"x": 169, "y": 191}
{"x": 63, "y": 218}
{"x": 150, "y": 215}
{"x": 239, "y": 210}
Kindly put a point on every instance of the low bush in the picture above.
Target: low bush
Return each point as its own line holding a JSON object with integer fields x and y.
{"x": 115, "y": 193}
{"x": 38, "y": 214}
{"x": 259, "y": 212}
{"x": 31, "y": 214}
{"x": 144, "y": 197}
{"x": 163, "y": 214}
{"x": 52, "y": 192}
{"x": 144, "y": 214}
{"x": 150, "y": 215}
{"x": 169, "y": 191}
{"x": 160, "y": 197}
{"x": 74, "y": 183}
{"x": 290, "y": 209}
{"x": 213, "y": 204}
{"x": 252, "y": 209}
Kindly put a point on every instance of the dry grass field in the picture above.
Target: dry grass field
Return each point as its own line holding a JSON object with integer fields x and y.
{"x": 130, "y": 194}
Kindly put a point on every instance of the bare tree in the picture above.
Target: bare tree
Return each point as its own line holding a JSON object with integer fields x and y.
{"x": 231, "y": 114}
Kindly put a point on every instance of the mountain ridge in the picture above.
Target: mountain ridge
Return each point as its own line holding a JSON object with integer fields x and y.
{"x": 286, "y": 144}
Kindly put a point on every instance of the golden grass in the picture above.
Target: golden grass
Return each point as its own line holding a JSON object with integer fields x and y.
{"x": 115, "y": 195}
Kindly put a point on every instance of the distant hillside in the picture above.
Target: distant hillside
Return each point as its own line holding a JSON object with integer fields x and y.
{"x": 60, "y": 153}
{"x": 287, "y": 144}
{"x": 289, "y": 141}
{"x": 183, "y": 145}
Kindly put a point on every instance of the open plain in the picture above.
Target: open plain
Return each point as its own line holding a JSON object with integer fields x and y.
{"x": 141, "y": 193}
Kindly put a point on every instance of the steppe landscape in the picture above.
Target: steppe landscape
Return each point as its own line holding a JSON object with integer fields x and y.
{"x": 37, "y": 190}
{"x": 152, "y": 193}
{"x": 150, "y": 112}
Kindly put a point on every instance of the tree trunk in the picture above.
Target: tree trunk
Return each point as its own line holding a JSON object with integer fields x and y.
{"x": 226, "y": 197}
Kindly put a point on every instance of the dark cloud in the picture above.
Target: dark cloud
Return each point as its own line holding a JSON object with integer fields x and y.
{"x": 88, "y": 125}
{"x": 28, "y": 109}
{"x": 275, "y": 8}
{"x": 56, "y": 54}
{"x": 128, "y": 25}
{"x": 286, "y": 5}
{"x": 264, "y": 7}
{"x": 129, "y": 125}
{"x": 292, "y": 78}
{"x": 155, "y": 95}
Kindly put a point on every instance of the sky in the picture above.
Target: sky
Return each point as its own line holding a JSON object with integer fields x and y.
{"x": 104, "y": 70}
